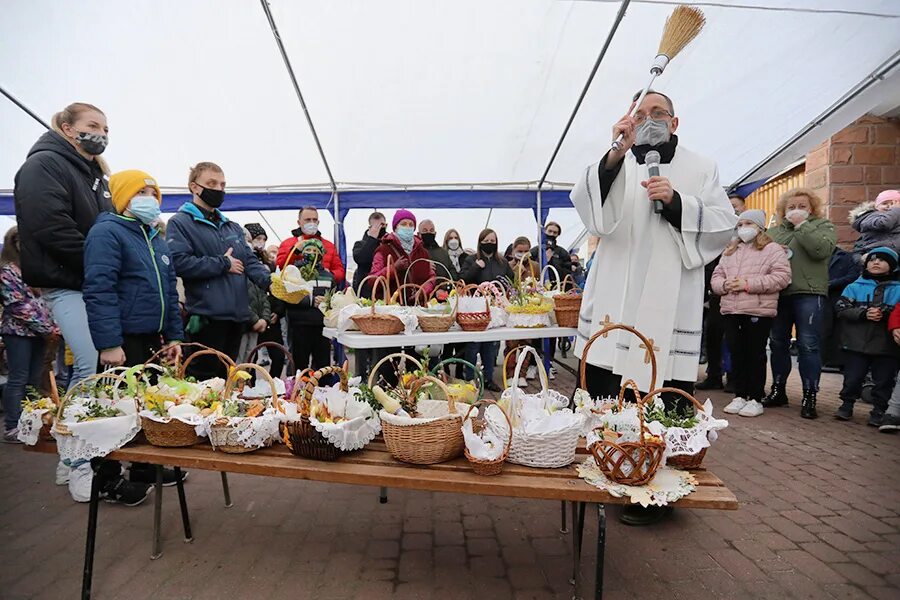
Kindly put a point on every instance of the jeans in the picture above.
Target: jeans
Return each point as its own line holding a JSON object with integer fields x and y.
{"x": 805, "y": 312}
{"x": 489, "y": 352}
{"x": 884, "y": 371}
{"x": 25, "y": 356}
{"x": 69, "y": 313}
{"x": 748, "y": 336}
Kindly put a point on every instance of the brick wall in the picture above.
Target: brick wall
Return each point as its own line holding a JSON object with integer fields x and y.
{"x": 853, "y": 166}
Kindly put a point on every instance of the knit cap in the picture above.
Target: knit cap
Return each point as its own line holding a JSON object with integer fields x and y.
{"x": 756, "y": 216}
{"x": 256, "y": 230}
{"x": 124, "y": 185}
{"x": 314, "y": 242}
{"x": 886, "y": 254}
{"x": 887, "y": 196}
{"x": 402, "y": 214}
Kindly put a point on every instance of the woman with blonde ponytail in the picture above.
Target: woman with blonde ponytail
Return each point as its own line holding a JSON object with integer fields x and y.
{"x": 59, "y": 191}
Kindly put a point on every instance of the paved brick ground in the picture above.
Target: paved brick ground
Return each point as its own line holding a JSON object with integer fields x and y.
{"x": 819, "y": 519}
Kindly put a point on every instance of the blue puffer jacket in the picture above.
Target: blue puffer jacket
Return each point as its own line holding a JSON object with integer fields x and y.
{"x": 129, "y": 282}
{"x": 198, "y": 250}
{"x": 858, "y": 334}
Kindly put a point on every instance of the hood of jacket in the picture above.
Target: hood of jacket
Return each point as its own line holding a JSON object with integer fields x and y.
{"x": 861, "y": 210}
{"x": 51, "y": 141}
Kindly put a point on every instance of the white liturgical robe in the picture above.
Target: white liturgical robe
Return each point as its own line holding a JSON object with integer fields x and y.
{"x": 647, "y": 273}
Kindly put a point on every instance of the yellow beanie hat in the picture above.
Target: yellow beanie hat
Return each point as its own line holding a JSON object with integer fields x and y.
{"x": 125, "y": 185}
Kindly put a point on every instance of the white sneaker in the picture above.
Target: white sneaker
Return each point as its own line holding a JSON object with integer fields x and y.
{"x": 551, "y": 374}
{"x": 751, "y": 409}
{"x": 531, "y": 372}
{"x": 735, "y": 406}
{"x": 62, "y": 473}
{"x": 523, "y": 382}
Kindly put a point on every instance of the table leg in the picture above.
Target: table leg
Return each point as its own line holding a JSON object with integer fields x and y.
{"x": 88, "y": 573}
{"x": 577, "y": 538}
{"x": 601, "y": 549}
{"x": 182, "y": 502}
{"x": 382, "y": 498}
{"x": 225, "y": 489}
{"x": 562, "y": 523}
{"x": 157, "y": 514}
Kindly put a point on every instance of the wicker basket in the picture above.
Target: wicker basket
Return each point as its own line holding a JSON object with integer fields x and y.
{"x": 278, "y": 288}
{"x": 436, "y": 323}
{"x": 683, "y": 461}
{"x": 300, "y": 436}
{"x": 378, "y": 323}
{"x": 488, "y": 467}
{"x": 438, "y": 372}
{"x": 473, "y": 321}
{"x": 567, "y": 306}
{"x": 223, "y": 436}
{"x": 422, "y": 443}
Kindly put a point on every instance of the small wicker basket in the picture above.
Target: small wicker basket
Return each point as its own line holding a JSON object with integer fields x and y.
{"x": 567, "y": 306}
{"x": 223, "y": 436}
{"x": 59, "y": 426}
{"x": 431, "y": 323}
{"x": 473, "y": 321}
{"x": 300, "y": 436}
{"x": 684, "y": 461}
{"x": 379, "y": 323}
{"x": 278, "y": 288}
{"x": 481, "y": 466}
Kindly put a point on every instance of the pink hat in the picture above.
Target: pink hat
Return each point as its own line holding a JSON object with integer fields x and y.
{"x": 402, "y": 214}
{"x": 886, "y": 196}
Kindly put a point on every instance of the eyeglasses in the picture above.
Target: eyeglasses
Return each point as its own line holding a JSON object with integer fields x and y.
{"x": 656, "y": 114}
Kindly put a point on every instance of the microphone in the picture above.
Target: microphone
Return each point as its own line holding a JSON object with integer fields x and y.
{"x": 652, "y": 161}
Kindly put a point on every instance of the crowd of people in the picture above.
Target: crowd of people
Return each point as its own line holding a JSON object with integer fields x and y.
{"x": 91, "y": 264}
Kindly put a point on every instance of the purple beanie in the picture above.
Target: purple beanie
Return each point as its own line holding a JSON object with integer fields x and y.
{"x": 402, "y": 214}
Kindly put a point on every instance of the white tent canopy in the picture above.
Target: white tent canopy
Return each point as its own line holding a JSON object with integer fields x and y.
{"x": 434, "y": 92}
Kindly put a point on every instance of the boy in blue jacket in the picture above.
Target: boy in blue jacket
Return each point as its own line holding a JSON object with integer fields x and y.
{"x": 131, "y": 302}
{"x": 864, "y": 308}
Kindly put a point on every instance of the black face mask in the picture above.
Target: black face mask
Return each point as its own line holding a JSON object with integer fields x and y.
{"x": 211, "y": 197}
{"x": 382, "y": 231}
{"x": 488, "y": 249}
{"x": 428, "y": 240}
{"x": 92, "y": 143}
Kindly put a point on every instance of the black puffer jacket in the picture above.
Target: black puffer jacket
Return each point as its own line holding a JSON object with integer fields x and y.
{"x": 58, "y": 196}
{"x": 493, "y": 270}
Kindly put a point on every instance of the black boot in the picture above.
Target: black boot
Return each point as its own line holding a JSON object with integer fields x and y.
{"x": 844, "y": 411}
{"x": 808, "y": 405}
{"x": 712, "y": 382}
{"x": 777, "y": 396}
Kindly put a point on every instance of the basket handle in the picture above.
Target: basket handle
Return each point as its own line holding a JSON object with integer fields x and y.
{"x": 252, "y": 356}
{"x": 358, "y": 289}
{"x": 402, "y": 355}
{"x": 671, "y": 390}
{"x": 550, "y": 267}
{"x": 155, "y": 357}
{"x": 426, "y": 297}
{"x": 476, "y": 289}
{"x": 83, "y": 385}
{"x": 628, "y": 385}
{"x": 434, "y": 263}
{"x": 223, "y": 358}
{"x": 298, "y": 389}
{"x": 486, "y": 402}
{"x": 603, "y": 333}
{"x": 384, "y": 284}
{"x": 232, "y": 380}
{"x": 290, "y": 255}
{"x": 414, "y": 389}
{"x": 399, "y": 297}
{"x": 313, "y": 383}
{"x": 479, "y": 376}
{"x": 524, "y": 350}
{"x": 570, "y": 279}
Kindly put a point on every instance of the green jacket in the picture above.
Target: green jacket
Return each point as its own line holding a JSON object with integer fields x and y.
{"x": 811, "y": 245}
{"x": 259, "y": 303}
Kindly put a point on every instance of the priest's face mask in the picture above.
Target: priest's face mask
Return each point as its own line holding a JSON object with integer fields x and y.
{"x": 655, "y": 121}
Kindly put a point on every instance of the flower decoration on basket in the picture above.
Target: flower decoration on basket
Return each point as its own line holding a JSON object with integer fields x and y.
{"x": 94, "y": 418}
{"x": 324, "y": 422}
{"x": 239, "y": 425}
{"x": 418, "y": 428}
{"x": 527, "y": 305}
{"x": 485, "y": 448}
{"x": 292, "y": 284}
{"x": 38, "y": 413}
{"x": 545, "y": 431}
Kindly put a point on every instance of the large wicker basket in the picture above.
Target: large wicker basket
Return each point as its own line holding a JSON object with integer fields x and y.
{"x": 376, "y": 323}
{"x": 482, "y": 466}
{"x": 473, "y": 321}
{"x": 423, "y": 443}
{"x": 224, "y": 437}
{"x": 300, "y": 436}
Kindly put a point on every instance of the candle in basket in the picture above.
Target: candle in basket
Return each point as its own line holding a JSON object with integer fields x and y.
{"x": 390, "y": 404}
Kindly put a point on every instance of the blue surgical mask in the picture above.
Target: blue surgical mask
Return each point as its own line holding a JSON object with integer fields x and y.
{"x": 144, "y": 208}
{"x": 405, "y": 234}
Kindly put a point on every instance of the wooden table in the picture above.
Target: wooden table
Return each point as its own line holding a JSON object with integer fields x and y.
{"x": 375, "y": 467}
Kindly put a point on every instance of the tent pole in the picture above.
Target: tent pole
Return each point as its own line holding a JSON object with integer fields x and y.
{"x": 27, "y": 110}
{"x": 263, "y": 217}
{"x": 587, "y": 85}
{"x": 287, "y": 63}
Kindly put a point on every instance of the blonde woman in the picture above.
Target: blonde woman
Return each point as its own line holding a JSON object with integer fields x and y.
{"x": 809, "y": 239}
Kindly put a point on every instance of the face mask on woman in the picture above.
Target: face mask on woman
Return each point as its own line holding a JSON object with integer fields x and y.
{"x": 144, "y": 208}
{"x": 518, "y": 255}
{"x": 747, "y": 234}
{"x": 453, "y": 244}
{"x": 488, "y": 248}
{"x": 92, "y": 143}
{"x": 405, "y": 234}
{"x": 799, "y": 212}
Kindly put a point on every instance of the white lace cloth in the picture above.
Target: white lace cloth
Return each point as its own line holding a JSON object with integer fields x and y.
{"x": 429, "y": 410}
{"x": 407, "y": 316}
{"x": 30, "y": 423}
{"x": 250, "y": 432}
{"x": 529, "y": 320}
{"x": 262, "y": 389}
{"x": 92, "y": 439}
{"x": 668, "y": 485}
{"x": 361, "y": 424}
{"x": 194, "y": 419}
{"x": 681, "y": 441}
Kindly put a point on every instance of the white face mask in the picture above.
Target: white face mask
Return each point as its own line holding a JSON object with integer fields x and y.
{"x": 798, "y": 211}
{"x": 309, "y": 228}
{"x": 747, "y": 234}
{"x": 453, "y": 244}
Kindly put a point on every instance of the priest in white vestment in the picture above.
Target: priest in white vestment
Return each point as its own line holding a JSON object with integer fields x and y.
{"x": 648, "y": 268}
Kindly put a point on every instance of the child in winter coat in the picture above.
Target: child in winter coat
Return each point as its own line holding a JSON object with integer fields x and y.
{"x": 864, "y": 308}
{"x": 749, "y": 277}
{"x": 878, "y": 223}
{"x": 891, "y": 421}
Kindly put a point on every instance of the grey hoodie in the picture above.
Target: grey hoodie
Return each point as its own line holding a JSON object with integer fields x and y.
{"x": 876, "y": 228}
